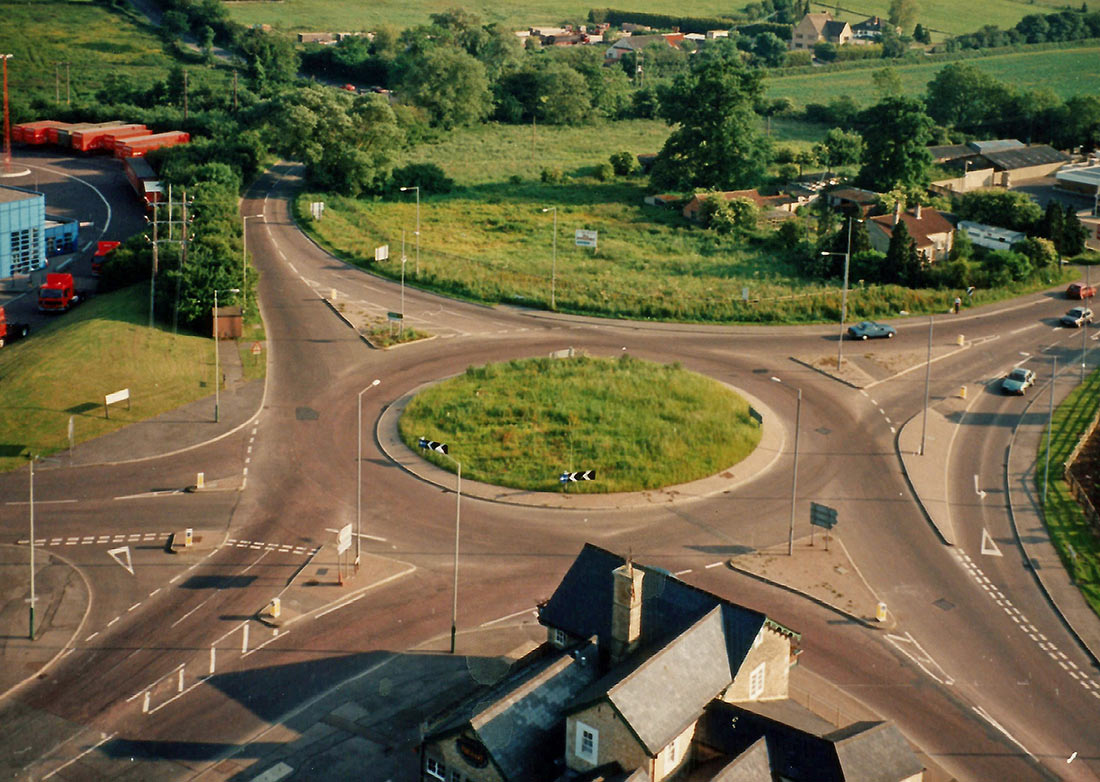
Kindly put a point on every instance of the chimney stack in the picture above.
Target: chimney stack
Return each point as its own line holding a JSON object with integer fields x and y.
{"x": 918, "y": 211}
{"x": 897, "y": 211}
{"x": 626, "y": 611}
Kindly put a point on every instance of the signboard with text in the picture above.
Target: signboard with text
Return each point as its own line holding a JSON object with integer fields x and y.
{"x": 585, "y": 238}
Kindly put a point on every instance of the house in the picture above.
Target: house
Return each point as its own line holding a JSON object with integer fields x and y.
{"x": 990, "y": 236}
{"x": 645, "y": 677}
{"x": 933, "y": 233}
{"x": 852, "y": 200}
{"x": 636, "y": 43}
{"x": 870, "y": 29}
{"x": 777, "y": 203}
{"x": 817, "y": 27}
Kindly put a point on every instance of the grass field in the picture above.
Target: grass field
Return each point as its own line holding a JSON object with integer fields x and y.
{"x": 639, "y": 425}
{"x": 1069, "y": 529}
{"x": 943, "y": 16}
{"x": 66, "y": 367}
{"x": 1068, "y": 72}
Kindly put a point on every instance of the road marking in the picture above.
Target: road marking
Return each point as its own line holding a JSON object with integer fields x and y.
{"x": 893, "y": 430}
{"x": 276, "y": 773}
{"x": 340, "y": 605}
{"x": 113, "y": 621}
{"x": 506, "y": 618}
{"x": 989, "y": 548}
{"x": 131, "y": 608}
{"x": 92, "y": 748}
{"x": 714, "y": 564}
{"x": 128, "y": 565}
{"x": 981, "y": 495}
{"x": 1025, "y": 328}
{"x": 90, "y": 637}
{"x": 41, "y": 502}
{"x": 193, "y": 610}
{"x": 360, "y": 534}
{"x": 920, "y": 660}
{"x": 679, "y": 573}
{"x": 985, "y": 716}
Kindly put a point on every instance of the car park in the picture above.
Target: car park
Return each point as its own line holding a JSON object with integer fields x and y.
{"x": 1080, "y": 290}
{"x": 1077, "y": 317}
{"x": 1018, "y": 381}
{"x": 868, "y": 329}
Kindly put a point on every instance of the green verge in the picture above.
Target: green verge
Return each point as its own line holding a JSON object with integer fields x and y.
{"x": 639, "y": 425}
{"x": 66, "y": 367}
{"x": 1065, "y": 519}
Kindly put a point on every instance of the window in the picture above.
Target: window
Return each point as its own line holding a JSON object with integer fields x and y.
{"x": 672, "y": 752}
{"x": 756, "y": 682}
{"x": 435, "y": 769}
{"x": 557, "y": 637}
{"x": 456, "y": 776}
{"x": 587, "y": 742}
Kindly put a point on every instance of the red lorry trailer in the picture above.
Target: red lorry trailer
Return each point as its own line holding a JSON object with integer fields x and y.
{"x": 140, "y": 146}
{"x": 92, "y": 139}
{"x": 143, "y": 179}
{"x": 35, "y": 132}
{"x": 102, "y": 250}
{"x": 65, "y": 135}
{"x": 10, "y": 332}
{"x": 59, "y": 293}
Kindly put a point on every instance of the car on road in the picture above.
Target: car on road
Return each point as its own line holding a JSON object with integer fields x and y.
{"x": 1018, "y": 381}
{"x": 1080, "y": 290}
{"x": 1077, "y": 317}
{"x": 868, "y": 329}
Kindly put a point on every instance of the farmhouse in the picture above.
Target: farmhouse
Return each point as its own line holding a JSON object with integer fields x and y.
{"x": 932, "y": 232}
{"x": 817, "y": 27}
{"x": 644, "y": 677}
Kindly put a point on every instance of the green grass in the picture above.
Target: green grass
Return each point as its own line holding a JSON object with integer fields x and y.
{"x": 1065, "y": 519}
{"x": 1067, "y": 72}
{"x": 639, "y": 425}
{"x": 66, "y": 367}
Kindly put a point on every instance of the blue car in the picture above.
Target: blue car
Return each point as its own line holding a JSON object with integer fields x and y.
{"x": 1018, "y": 381}
{"x": 868, "y": 329}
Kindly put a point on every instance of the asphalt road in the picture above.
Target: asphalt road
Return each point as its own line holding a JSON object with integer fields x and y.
{"x": 956, "y": 673}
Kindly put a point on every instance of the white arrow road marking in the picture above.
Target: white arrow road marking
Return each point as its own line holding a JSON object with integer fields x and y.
{"x": 908, "y": 646}
{"x": 125, "y": 550}
{"x": 979, "y": 492}
{"x": 989, "y": 548}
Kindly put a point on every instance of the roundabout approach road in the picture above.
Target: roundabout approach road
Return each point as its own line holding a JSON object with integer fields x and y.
{"x": 953, "y": 670}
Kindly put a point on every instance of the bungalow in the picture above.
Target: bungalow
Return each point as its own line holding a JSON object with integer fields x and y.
{"x": 990, "y": 236}
{"x": 817, "y": 27}
{"x": 852, "y": 200}
{"x": 636, "y": 43}
{"x": 780, "y": 203}
{"x": 933, "y": 233}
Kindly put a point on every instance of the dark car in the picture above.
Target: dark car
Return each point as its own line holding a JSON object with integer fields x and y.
{"x": 1018, "y": 381}
{"x": 1080, "y": 290}
{"x": 868, "y": 329}
{"x": 1077, "y": 317}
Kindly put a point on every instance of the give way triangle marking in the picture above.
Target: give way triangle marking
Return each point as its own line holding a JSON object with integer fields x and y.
{"x": 988, "y": 546}
{"x": 129, "y": 565}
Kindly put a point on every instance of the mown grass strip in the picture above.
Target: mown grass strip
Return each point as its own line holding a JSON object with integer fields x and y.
{"x": 1073, "y": 536}
{"x": 639, "y": 425}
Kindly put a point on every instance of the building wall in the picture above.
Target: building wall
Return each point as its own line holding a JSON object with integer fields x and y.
{"x": 446, "y": 752}
{"x": 673, "y": 757}
{"x": 22, "y": 235}
{"x": 1018, "y": 175}
{"x": 615, "y": 741}
{"x": 774, "y": 651}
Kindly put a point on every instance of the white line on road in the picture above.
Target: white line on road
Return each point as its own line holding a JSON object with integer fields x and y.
{"x": 506, "y": 618}
{"x": 90, "y": 637}
{"x": 682, "y": 572}
{"x": 42, "y": 502}
{"x": 131, "y": 608}
{"x": 154, "y": 591}
{"x": 714, "y": 564}
{"x": 340, "y": 605}
{"x": 113, "y": 621}
{"x": 292, "y": 268}
{"x": 985, "y": 716}
{"x": 1025, "y": 328}
{"x": 360, "y": 534}
{"x": 92, "y": 748}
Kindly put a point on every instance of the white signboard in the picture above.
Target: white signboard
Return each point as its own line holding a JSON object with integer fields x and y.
{"x": 317, "y": 209}
{"x": 343, "y": 539}
{"x": 585, "y": 238}
{"x": 382, "y": 253}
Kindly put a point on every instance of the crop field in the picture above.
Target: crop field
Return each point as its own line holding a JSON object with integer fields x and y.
{"x": 945, "y": 17}
{"x": 1067, "y": 72}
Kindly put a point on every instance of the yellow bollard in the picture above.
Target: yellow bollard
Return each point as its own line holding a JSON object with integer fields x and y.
{"x": 962, "y": 393}
{"x": 188, "y": 537}
{"x": 200, "y": 480}
{"x": 880, "y": 612}
{"x": 275, "y": 607}
{"x": 960, "y": 341}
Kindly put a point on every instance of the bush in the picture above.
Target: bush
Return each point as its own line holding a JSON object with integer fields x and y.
{"x": 799, "y": 58}
{"x": 427, "y": 176}
{"x": 605, "y": 172}
{"x": 551, "y": 176}
{"x": 623, "y": 163}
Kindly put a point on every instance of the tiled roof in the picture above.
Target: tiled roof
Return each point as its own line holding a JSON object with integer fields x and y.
{"x": 930, "y": 222}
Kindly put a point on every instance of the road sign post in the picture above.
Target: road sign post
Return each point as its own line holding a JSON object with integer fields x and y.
{"x": 343, "y": 543}
{"x": 567, "y": 478}
{"x": 822, "y": 516}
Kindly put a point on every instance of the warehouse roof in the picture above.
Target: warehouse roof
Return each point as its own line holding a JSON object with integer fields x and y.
{"x": 1024, "y": 157}
{"x": 12, "y": 194}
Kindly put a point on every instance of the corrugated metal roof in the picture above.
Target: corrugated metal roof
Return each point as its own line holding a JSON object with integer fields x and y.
{"x": 995, "y": 145}
{"x": 1024, "y": 157}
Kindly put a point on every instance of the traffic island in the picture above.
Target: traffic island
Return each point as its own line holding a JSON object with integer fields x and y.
{"x": 826, "y": 575}
{"x": 378, "y": 332}
{"x": 862, "y": 367}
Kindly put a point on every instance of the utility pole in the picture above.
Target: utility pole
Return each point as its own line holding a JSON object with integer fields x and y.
{"x": 183, "y": 263}
{"x": 57, "y": 84}
{"x": 234, "y": 92}
{"x": 68, "y": 87}
{"x": 185, "y": 96}
{"x": 153, "y": 274}
{"x": 7, "y": 118}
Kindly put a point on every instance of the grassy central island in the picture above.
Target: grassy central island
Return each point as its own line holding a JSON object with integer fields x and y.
{"x": 639, "y": 425}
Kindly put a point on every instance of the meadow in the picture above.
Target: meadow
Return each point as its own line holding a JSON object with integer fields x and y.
{"x": 944, "y": 17}
{"x": 522, "y": 423}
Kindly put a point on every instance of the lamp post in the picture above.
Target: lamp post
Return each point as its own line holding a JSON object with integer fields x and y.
{"x": 844, "y": 294}
{"x": 359, "y": 479}
{"x": 31, "y": 618}
{"x": 244, "y": 253}
{"x": 7, "y": 118}
{"x": 417, "y": 189}
{"x": 1050, "y": 426}
{"x": 217, "y": 365}
{"x": 441, "y": 448}
{"x": 794, "y": 471}
{"x": 927, "y": 382}
{"x": 403, "y": 259}
{"x": 554, "y": 257}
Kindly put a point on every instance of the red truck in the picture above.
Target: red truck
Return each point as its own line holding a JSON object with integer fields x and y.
{"x": 58, "y": 293}
{"x": 102, "y": 250}
{"x": 10, "y": 332}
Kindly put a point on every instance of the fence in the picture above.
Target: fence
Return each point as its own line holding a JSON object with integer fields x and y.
{"x": 1075, "y": 488}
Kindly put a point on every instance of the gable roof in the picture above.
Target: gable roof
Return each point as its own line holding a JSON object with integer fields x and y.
{"x": 817, "y": 20}
{"x": 519, "y": 719}
{"x": 931, "y": 222}
{"x": 660, "y": 694}
{"x": 834, "y": 29}
{"x": 1023, "y": 157}
{"x": 873, "y": 24}
{"x": 752, "y": 765}
{"x": 873, "y": 752}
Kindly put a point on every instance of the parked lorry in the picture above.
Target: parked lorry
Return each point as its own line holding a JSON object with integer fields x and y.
{"x": 102, "y": 250}
{"x": 10, "y": 331}
{"x": 59, "y": 293}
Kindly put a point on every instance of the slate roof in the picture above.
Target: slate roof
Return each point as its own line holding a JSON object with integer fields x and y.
{"x": 931, "y": 222}
{"x": 854, "y": 194}
{"x": 752, "y": 765}
{"x": 873, "y": 752}
{"x": 942, "y": 153}
{"x": 520, "y": 718}
{"x": 834, "y": 29}
{"x": 660, "y": 694}
{"x": 581, "y": 605}
{"x": 995, "y": 145}
{"x": 1023, "y": 157}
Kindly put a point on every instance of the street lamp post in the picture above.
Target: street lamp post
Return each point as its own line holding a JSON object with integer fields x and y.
{"x": 794, "y": 471}
{"x": 217, "y": 365}
{"x": 359, "y": 479}
{"x": 31, "y": 618}
{"x": 442, "y": 450}
{"x": 844, "y": 294}
{"x": 244, "y": 253}
{"x": 417, "y": 189}
{"x": 1050, "y": 426}
{"x": 554, "y": 257}
{"x": 927, "y": 382}
{"x": 403, "y": 259}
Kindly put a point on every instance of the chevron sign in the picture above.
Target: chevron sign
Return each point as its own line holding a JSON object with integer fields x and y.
{"x": 432, "y": 445}
{"x": 573, "y": 477}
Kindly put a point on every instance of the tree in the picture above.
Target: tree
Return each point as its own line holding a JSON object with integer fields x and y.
{"x": 893, "y": 45}
{"x": 623, "y": 163}
{"x": 921, "y": 34}
{"x": 902, "y": 258}
{"x": 903, "y": 13}
{"x": 562, "y": 93}
{"x": 804, "y": 157}
{"x": 1009, "y": 209}
{"x": 895, "y": 139}
{"x": 1074, "y": 234}
{"x": 272, "y": 59}
{"x": 840, "y": 148}
{"x": 964, "y": 96}
{"x": 770, "y": 50}
{"x": 887, "y": 82}
{"x": 208, "y": 43}
{"x": 449, "y": 84}
{"x": 716, "y": 142}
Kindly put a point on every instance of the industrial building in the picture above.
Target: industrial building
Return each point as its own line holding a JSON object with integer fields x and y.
{"x": 22, "y": 231}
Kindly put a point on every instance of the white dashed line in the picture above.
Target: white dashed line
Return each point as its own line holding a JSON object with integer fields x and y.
{"x": 131, "y": 608}
{"x": 113, "y": 621}
{"x": 712, "y": 564}
{"x": 154, "y": 591}
{"x": 90, "y": 637}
